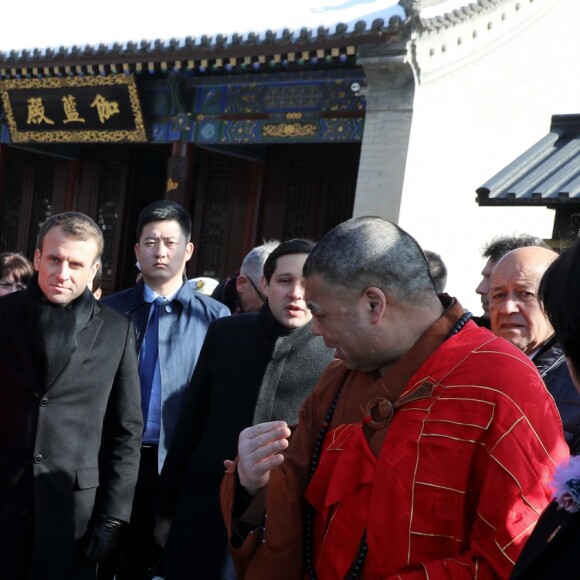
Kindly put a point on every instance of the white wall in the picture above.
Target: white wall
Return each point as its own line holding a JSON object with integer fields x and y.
{"x": 470, "y": 123}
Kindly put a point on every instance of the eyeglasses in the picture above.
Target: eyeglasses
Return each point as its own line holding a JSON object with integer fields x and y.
{"x": 262, "y": 297}
{"x": 10, "y": 285}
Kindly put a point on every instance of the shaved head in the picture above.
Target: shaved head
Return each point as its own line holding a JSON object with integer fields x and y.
{"x": 531, "y": 258}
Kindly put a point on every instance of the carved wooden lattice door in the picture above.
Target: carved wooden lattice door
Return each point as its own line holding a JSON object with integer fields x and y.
{"x": 103, "y": 196}
{"x": 26, "y": 201}
{"x": 309, "y": 190}
{"x": 223, "y": 216}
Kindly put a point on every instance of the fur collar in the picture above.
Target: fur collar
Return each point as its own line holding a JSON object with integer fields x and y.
{"x": 566, "y": 484}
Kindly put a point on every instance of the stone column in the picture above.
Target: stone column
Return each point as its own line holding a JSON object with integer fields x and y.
{"x": 390, "y": 93}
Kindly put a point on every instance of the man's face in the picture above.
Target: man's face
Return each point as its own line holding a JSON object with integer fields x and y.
{"x": 337, "y": 317}
{"x": 483, "y": 288}
{"x": 65, "y": 265}
{"x": 286, "y": 292}
{"x": 162, "y": 252}
{"x": 515, "y": 312}
{"x": 250, "y": 293}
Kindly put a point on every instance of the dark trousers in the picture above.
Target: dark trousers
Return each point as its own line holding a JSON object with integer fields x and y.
{"x": 138, "y": 552}
{"x": 16, "y": 539}
{"x": 196, "y": 547}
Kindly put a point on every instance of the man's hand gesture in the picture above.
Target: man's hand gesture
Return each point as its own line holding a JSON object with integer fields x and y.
{"x": 259, "y": 449}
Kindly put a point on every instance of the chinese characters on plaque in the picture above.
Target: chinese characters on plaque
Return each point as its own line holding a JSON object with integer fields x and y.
{"x": 56, "y": 110}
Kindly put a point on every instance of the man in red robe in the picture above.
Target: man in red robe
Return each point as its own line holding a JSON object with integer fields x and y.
{"x": 425, "y": 451}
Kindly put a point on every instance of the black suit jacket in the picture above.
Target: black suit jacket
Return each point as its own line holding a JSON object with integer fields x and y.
{"x": 553, "y": 549}
{"x": 68, "y": 452}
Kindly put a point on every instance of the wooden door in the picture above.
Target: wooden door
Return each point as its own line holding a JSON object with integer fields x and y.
{"x": 226, "y": 212}
{"x": 33, "y": 187}
{"x": 309, "y": 189}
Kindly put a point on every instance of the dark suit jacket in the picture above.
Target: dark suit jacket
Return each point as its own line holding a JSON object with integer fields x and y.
{"x": 245, "y": 364}
{"x": 552, "y": 552}
{"x": 67, "y": 453}
{"x": 551, "y": 365}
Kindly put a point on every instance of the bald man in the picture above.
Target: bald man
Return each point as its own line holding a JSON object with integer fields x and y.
{"x": 517, "y": 316}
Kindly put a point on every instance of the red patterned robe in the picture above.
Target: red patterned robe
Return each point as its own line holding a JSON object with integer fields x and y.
{"x": 450, "y": 489}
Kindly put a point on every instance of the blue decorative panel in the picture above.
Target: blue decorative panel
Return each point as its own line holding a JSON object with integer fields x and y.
{"x": 275, "y": 108}
{"x": 342, "y": 130}
{"x": 208, "y": 131}
{"x": 4, "y": 134}
{"x": 159, "y": 132}
{"x": 293, "y": 96}
{"x": 211, "y": 99}
{"x": 160, "y": 103}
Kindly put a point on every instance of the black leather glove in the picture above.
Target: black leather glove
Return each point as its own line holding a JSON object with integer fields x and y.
{"x": 104, "y": 539}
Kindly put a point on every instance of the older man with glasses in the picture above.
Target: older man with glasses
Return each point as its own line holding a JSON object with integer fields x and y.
{"x": 243, "y": 290}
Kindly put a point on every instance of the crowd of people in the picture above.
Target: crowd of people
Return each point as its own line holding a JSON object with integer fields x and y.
{"x": 328, "y": 412}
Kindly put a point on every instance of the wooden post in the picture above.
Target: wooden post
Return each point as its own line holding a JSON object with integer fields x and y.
{"x": 179, "y": 170}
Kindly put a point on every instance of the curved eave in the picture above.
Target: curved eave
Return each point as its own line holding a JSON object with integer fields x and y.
{"x": 206, "y": 52}
{"x": 536, "y": 199}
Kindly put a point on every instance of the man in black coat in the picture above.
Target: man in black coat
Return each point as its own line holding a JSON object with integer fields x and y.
{"x": 252, "y": 368}
{"x": 551, "y": 552}
{"x": 70, "y": 417}
{"x": 517, "y": 316}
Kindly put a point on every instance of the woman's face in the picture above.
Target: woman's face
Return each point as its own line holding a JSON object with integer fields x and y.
{"x": 9, "y": 285}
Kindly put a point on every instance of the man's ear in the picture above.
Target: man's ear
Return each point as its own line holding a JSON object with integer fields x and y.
{"x": 241, "y": 283}
{"x": 137, "y": 250}
{"x": 37, "y": 256}
{"x": 189, "y": 247}
{"x": 94, "y": 269}
{"x": 376, "y": 303}
{"x": 264, "y": 286}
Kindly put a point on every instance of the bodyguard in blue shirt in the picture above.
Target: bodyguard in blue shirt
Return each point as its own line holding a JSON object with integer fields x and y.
{"x": 171, "y": 321}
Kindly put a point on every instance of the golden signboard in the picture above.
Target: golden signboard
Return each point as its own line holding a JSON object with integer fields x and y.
{"x": 73, "y": 110}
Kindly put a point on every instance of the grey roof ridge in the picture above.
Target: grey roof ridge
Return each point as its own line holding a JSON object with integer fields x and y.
{"x": 273, "y": 41}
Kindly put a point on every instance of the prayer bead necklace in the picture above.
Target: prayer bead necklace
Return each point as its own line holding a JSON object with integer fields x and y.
{"x": 360, "y": 557}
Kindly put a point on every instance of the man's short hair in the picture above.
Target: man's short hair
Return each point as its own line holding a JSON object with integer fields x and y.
{"x": 16, "y": 267}
{"x": 499, "y": 246}
{"x": 295, "y": 246}
{"x": 370, "y": 251}
{"x": 558, "y": 295}
{"x": 253, "y": 264}
{"x": 437, "y": 269}
{"x": 75, "y": 225}
{"x": 165, "y": 210}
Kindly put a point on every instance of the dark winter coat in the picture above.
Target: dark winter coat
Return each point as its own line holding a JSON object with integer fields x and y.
{"x": 551, "y": 552}
{"x": 551, "y": 365}
{"x": 69, "y": 450}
